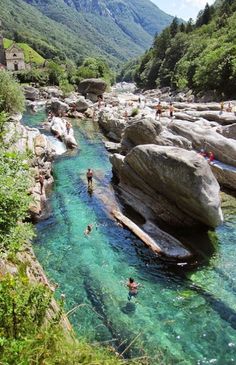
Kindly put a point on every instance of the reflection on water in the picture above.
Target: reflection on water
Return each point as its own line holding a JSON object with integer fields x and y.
{"x": 181, "y": 315}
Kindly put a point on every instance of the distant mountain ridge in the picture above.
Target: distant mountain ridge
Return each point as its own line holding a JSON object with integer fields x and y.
{"x": 115, "y": 29}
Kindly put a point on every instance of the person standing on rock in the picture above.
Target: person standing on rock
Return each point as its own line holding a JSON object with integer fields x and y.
{"x": 90, "y": 178}
{"x": 221, "y": 107}
{"x": 158, "y": 111}
{"x": 41, "y": 181}
{"x": 68, "y": 126}
{"x": 171, "y": 111}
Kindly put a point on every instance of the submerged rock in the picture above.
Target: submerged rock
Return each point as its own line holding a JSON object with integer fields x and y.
{"x": 174, "y": 183}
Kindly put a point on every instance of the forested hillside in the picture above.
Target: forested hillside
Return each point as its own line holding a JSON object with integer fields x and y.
{"x": 200, "y": 56}
{"x": 117, "y": 30}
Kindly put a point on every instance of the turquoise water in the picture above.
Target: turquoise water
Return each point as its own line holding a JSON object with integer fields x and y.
{"x": 181, "y": 315}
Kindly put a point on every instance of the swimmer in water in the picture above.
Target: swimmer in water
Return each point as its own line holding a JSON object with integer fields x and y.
{"x": 88, "y": 230}
{"x": 133, "y": 288}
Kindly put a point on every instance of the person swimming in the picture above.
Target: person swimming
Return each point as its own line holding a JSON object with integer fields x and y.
{"x": 88, "y": 229}
{"x": 133, "y": 288}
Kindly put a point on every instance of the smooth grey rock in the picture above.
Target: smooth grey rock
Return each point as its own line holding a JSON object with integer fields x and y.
{"x": 51, "y": 91}
{"x": 150, "y": 131}
{"x": 174, "y": 179}
{"x": 94, "y": 86}
{"x": 31, "y": 93}
{"x": 113, "y": 125}
{"x": 57, "y": 106}
{"x": 143, "y": 131}
{"x": 82, "y": 104}
{"x": 223, "y": 148}
{"x": 228, "y": 131}
{"x": 112, "y": 147}
{"x": 58, "y": 128}
{"x": 224, "y": 118}
{"x": 225, "y": 175}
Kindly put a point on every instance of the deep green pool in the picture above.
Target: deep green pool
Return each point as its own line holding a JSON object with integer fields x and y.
{"x": 179, "y": 317}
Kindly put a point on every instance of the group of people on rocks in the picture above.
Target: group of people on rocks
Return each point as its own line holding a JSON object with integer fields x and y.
{"x": 209, "y": 155}
{"x": 229, "y": 108}
{"x": 159, "y": 110}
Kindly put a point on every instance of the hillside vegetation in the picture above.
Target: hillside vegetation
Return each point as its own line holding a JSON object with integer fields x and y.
{"x": 117, "y": 30}
{"x": 200, "y": 56}
{"x": 31, "y": 56}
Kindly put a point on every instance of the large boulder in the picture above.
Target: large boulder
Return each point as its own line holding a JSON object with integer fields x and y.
{"x": 59, "y": 129}
{"x": 57, "y": 106}
{"x": 225, "y": 175}
{"x": 228, "y": 131}
{"x": 206, "y": 137}
{"x": 31, "y": 93}
{"x": 51, "y": 92}
{"x": 150, "y": 131}
{"x": 112, "y": 124}
{"x": 92, "y": 86}
{"x": 143, "y": 131}
{"x": 214, "y": 116}
{"x": 172, "y": 182}
{"x": 81, "y": 104}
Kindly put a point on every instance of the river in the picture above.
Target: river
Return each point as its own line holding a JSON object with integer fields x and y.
{"x": 181, "y": 315}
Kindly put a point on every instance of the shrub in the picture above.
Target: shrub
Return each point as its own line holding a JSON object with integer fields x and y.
{"x": 134, "y": 112}
{"x": 11, "y": 96}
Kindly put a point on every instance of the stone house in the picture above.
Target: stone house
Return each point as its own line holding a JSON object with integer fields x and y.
{"x": 15, "y": 60}
{"x": 12, "y": 58}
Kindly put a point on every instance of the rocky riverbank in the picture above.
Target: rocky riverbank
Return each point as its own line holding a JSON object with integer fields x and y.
{"x": 162, "y": 165}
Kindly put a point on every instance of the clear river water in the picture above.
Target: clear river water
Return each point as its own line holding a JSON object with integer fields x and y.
{"x": 182, "y": 315}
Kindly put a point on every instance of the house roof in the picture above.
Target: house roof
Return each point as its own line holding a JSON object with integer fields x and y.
{"x": 13, "y": 47}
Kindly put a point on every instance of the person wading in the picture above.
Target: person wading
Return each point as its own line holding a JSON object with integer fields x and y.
{"x": 133, "y": 288}
{"x": 90, "y": 178}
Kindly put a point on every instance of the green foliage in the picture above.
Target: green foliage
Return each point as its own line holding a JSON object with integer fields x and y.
{"x": 134, "y": 112}
{"x": 66, "y": 87}
{"x": 201, "y": 56}
{"x": 14, "y": 200}
{"x": 35, "y": 76}
{"x": 95, "y": 68}
{"x": 56, "y": 73}
{"x": 11, "y": 96}
{"x": 25, "y": 336}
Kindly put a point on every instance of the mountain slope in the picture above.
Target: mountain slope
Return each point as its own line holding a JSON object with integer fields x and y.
{"x": 116, "y": 29}
{"x": 200, "y": 56}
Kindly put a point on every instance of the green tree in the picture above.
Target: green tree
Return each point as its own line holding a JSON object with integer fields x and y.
{"x": 56, "y": 73}
{"x": 174, "y": 27}
{"x": 95, "y": 68}
{"x": 11, "y": 96}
